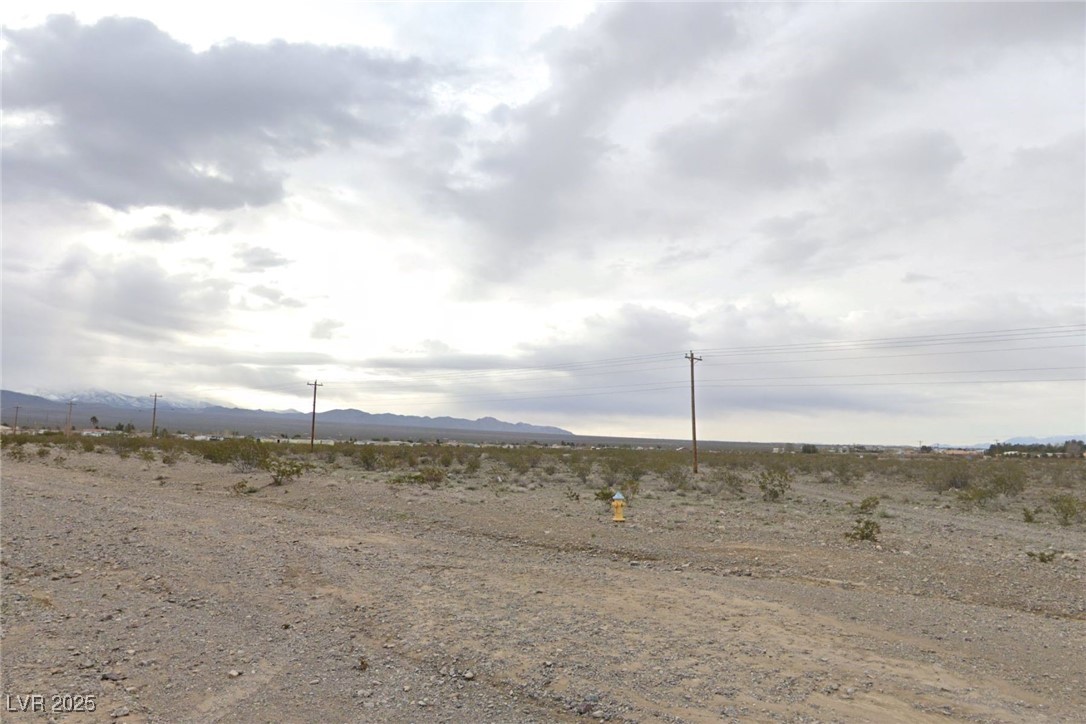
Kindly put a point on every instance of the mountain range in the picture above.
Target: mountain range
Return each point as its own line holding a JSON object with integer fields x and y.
{"x": 177, "y": 414}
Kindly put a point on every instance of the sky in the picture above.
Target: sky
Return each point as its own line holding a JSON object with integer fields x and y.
{"x": 866, "y": 220}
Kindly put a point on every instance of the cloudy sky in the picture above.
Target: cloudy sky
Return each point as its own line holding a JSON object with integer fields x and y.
{"x": 867, "y": 219}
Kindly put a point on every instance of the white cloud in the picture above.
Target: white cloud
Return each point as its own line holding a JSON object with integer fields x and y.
{"x": 539, "y": 222}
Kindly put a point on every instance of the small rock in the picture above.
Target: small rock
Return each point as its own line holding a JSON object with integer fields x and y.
{"x": 469, "y": 675}
{"x": 119, "y": 712}
{"x": 233, "y": 673}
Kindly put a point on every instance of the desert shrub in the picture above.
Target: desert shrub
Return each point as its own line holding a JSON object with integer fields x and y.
{"x": 867, "y": 505}
{"x": 1043, "y": 556}
{"x": 842, "y": 470}
{"x": 976, "y": 495}
{"x": 572, "y": 494}
{"x": 864, "y": 529}
{"x": 242, "y": 487}
{"x": 676, "y": 477}
{"x": 17, "y": 451}
{"x": 431, "y": 475}
{"x": 169, "y": 458}
{"x": 472, "y": 460}
{"x": 1005, "y": 479}
{"x": 88, "y": 444}
{"x": 148, "y": 456}
{"x": 953, "y": 475}
{"x": 244, "y": 453}
{"x": 1030, "y": 516}
{"x": 605, "y": 494}
{"x": 1067, "y": 508}
{"x": 582, "y": 468}
{"x": 724, "y": 480}
{"x": 369, "y": 457}
{"x": 630, "y": 488}
{"x": 774, "y": 482}
{"x": 43, "y": 451}
{"x": 284, "y": 471}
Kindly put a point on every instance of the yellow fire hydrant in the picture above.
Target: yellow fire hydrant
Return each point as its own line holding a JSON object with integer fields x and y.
{"x": 617, "y": 504}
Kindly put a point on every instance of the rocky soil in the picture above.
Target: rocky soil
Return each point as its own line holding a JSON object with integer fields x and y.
{"x": 168, "y": 597}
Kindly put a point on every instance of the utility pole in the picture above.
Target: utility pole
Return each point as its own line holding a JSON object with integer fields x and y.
{"x": 313, "y": 428}
{"x": 154, "y": 415}
{"x": 16, "y": 418}
{"x": 68, "y": 422}
{"x": 693, "y": 417}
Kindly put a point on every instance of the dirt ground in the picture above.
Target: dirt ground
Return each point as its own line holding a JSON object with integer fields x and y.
{"x": 157, "y": 593}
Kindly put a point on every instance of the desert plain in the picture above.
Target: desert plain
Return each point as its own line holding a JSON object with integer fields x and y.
{"x": 164, "y": 587}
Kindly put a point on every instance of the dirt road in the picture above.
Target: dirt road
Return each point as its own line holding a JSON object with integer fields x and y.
{"x": 166, "y": 597}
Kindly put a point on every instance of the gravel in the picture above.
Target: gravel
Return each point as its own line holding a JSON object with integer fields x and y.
{"x": 168, "y": 597}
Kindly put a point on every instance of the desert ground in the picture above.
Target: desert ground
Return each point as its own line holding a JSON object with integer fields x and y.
{"x": 168, "y": 588}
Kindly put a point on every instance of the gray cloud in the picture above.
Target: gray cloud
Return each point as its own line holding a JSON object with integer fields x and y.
{"x": 136, "y": 118}
{"x": 538, "y": 173}
{"x": 325, "y": 329}
{"x": 259, "y": 258}
{"x": 275, "y": 296}
{"x": 163, "y": 229}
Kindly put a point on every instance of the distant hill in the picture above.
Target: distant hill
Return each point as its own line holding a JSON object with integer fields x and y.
{"x": 111, "y": 409}
{"x": 1054, "y": 440}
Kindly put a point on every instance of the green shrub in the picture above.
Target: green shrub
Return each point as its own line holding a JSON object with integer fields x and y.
{"x": 1043, "y": 556}
{"x": 605, "y": 494}
{"x": 17, "y": 452}
{"x": 864, "y": 529}
{"x": 1067, "y": 508}
{"x": 867, "y": 505}
{"x": 431, "y": 475}
{"x": 284, "y": 471}
{"x": 1030, "y": 516}
{"x": 244, "y": 453}
{"x": 725, "y": 479}
{"x": 953, "y": 475}
{"x": 1007, "y": 479}
{"x": 677, "y": 478}
{"x": 472, "y": 462}
{"x": 976, "y": 495}
{"x": 582, "y": 468}
{"x": 774, "y": 482}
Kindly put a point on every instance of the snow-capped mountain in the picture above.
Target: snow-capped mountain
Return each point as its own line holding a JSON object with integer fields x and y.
{"x": 130, "y": 402}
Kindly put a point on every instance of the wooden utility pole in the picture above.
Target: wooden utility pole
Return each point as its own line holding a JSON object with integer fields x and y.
{"x": 68, "y": 422}
{"x": 16, "y": 418}
{"x": 313, "y": 427}
{"x": 693, "y": 417}
{"x": 154, "y": 415}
